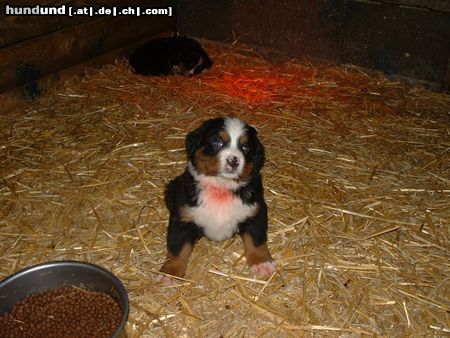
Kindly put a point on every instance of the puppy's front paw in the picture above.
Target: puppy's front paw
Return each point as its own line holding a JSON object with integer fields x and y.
{"x": 264, "y": 269}
{"x": 166, "y": 280}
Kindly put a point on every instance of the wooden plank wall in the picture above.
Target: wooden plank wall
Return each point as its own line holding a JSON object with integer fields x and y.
{"x": 34, "y": 49}
{"x": 409, "y": 38}
{"x": 14, "y": 29}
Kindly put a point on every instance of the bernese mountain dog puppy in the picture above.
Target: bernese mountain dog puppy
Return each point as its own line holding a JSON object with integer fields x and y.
{"x": 170, "y": 56}
{"x": 220, "y": 194}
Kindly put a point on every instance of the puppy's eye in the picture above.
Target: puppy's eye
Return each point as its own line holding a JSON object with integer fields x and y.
{"x": 217, "y": 144}
{"x": 245, "y": 148}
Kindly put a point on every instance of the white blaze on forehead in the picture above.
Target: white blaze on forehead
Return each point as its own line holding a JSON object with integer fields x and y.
{"x": 235, "y": 128}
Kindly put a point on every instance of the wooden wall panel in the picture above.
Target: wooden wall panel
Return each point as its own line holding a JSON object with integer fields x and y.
{"x": 26, "y": 62}
{"x": 398, "y": 40}
{"x": 15, "y": 29}
{"x": 33, "y": 48}
{"x": 297, "y": 27}
{"x": 408, "y": 38}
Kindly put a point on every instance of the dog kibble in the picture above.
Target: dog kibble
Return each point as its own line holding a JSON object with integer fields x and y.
{"x": 62, "y": 313}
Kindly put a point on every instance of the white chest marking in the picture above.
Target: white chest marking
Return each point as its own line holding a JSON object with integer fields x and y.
{"x": 219, "y": 212}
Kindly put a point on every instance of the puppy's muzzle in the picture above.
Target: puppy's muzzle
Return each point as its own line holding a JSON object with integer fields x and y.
{"x": 232, "y": 163}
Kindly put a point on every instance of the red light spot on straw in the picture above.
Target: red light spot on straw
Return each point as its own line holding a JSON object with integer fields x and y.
{"x": 253, "y": 86}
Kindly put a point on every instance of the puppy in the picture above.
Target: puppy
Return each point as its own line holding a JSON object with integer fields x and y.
{"x": 170, "y": 56}
{"x": 220, "y": 194}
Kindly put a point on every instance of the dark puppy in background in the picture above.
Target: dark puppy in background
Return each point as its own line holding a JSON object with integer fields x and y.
{"x": 170, "y": 56}
{"x": 220, "y": 194}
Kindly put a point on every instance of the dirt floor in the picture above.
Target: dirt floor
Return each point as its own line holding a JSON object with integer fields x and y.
{"x": 356, "y": 180}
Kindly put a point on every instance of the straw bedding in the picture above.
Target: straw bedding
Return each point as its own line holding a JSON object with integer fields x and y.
{"x": 356, "y": 180}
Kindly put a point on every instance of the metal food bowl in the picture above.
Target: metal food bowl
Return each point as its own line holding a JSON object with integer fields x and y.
{"x": 53, "y": 275}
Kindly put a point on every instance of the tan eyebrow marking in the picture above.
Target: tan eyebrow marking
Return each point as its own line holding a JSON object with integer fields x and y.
{"x": 224, "y": 135}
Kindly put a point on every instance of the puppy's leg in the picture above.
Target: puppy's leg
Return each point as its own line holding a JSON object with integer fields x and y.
{"x": 176, "y": 264}
{"x": 181, "y": 238}
{"x": 258, "y": 256}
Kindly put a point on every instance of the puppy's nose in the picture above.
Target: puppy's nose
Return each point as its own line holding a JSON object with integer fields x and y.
{"x": 233, "y": 162}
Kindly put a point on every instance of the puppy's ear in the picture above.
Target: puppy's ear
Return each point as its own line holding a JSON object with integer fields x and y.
{"x": 194, "y": 138}
{"x": 259, "y": 154}
{"x": 192, "y": 141}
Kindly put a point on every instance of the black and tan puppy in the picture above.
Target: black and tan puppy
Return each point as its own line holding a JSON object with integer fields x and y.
{"x": 170, "y": 56}
{"x": 220, "y": 194}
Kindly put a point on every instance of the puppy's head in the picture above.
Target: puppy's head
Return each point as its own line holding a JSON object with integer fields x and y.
{"x": 225, "y": 147}
{"x": 189, "y": 58}
{"x": 189, "y": 65}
